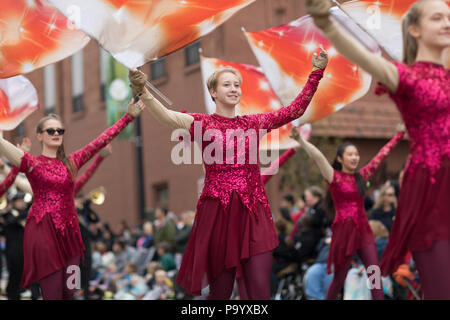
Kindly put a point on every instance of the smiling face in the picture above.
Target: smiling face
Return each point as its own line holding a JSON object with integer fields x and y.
{"x": 349, "y": 159}
{"x": 228, "y": 90}
{"x": 433, "y": 29}
{"x": 48, "y": 140}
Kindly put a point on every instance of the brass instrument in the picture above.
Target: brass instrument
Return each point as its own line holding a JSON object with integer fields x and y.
{"x": 98, "y": 195}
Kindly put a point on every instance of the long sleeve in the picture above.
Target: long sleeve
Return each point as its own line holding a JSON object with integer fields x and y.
{"x": 269, "y": 172}
{"x": 368, "y": 171}
{"x": 87, "y": 174}
{"x": 295, "y": 109}
{"x": 173, "y": 119}
{"x": 381, "y": 69}
{"x": 83, "y": 155}
{"x": 9, "y": 180}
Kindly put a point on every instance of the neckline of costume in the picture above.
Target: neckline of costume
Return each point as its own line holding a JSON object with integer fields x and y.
{"x": 225, "y": 118}
{"x": 51, "y": 158}
{"x": 429, "y": 63}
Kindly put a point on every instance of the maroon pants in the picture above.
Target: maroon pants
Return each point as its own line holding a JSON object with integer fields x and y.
{"x": 56, "y": 287}
{"x": 434, "y": 268}
{"x": 253, "y": 285}
{"x": 368, "y": 256}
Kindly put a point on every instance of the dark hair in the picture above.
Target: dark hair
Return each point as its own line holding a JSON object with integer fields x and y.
{"x": 360, "y": 182}
{"x": 60, "y": 154}
{"x": 289, "y": 198}
{"x": 164, "y": 246}
{"x": 285, "y": 214}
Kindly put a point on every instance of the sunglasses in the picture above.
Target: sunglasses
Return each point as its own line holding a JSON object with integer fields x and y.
{"x": 52, "y": 131}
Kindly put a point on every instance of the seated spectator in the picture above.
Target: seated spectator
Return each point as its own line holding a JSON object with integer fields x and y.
{"x": 146, "y": 239}
{"x": 130, "y": 286}
{"x": 123, "y": 254}
{"x": 161, "y": 289}
{"x": 381, "y": 236}
{"x": 151, "y": 269}
{"x": 316, "y": 278}
{"x": 166, "y": 257}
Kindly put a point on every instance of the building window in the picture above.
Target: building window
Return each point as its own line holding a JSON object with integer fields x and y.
{"x": 158, "y": 69}
{"x": 162, "y": 195}
{"x": 104, "y": 60}
{"x": 77, "y": 82}
{"x": 192, "y": 53}
{"x": 49, "y": 89}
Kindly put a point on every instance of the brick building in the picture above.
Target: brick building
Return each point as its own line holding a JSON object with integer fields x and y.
{"x": 73, "y": 89}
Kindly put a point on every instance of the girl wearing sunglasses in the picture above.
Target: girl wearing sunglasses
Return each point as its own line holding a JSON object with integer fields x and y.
{"x": 52, "y": 240}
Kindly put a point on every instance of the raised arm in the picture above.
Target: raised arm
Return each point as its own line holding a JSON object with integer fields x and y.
{"x": 174, "y": 119}
{"x": 368, "y": 171}
{"x": 380, "y": 68}
{"x": 296, "y": 108}
{"x": 324, "y": 166}
{"x": 87, "y": 174}
{"x": 83, "y": 155}
{"x": 270, "y": 171}
{"x": 11, "y": 152}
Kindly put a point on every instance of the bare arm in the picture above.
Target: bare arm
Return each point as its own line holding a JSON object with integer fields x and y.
{"x": 166, "y": 116}
{"x": 381, "y": 69}
{"x": 324, "y": 166}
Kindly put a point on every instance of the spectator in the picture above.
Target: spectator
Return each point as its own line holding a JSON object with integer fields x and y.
{"x": 316, "y": 278}
{"x": 385, "y": 206}
{"x": 152, "y": 267}
{"x": 288, "y": 202}
{"x": 161, "y": 290}
{"x": 146, "y": 240}
{"x": 131, "y": 286}
{"x": 166, "y": 257}
{"x": 184, "y": 230}
{"x": 123, "y": 254}
{"x": 165, "y": 228}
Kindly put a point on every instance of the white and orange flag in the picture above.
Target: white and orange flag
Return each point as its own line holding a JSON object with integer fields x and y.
{"x": 18, "y": 99}
{"x": 257, "y": 97}
{"x": 34, "y": 34}
{"x": 382, "y": 19}
{"x": 285, "y": 55}
{"x": 138, "y": 31}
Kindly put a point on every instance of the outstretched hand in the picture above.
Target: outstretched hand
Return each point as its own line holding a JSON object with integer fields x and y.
{"x": 401, "y": 127}
{"x": 320, "y": 11}
{"x": 26, "y": 145}
{"x": 321, "y": 61}
{"x": 106, "y": 151}
{"x": 318, "y": 8}
{"x": 137, "y": 81}
{"x": 135, "y": 109}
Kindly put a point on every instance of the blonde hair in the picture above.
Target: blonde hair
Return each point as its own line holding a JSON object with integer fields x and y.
{"x": 60, "y": 154}
{"x": 379, "y": 202}
{"x": 213, "y": 79}
{"x": 412, "y": 18}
